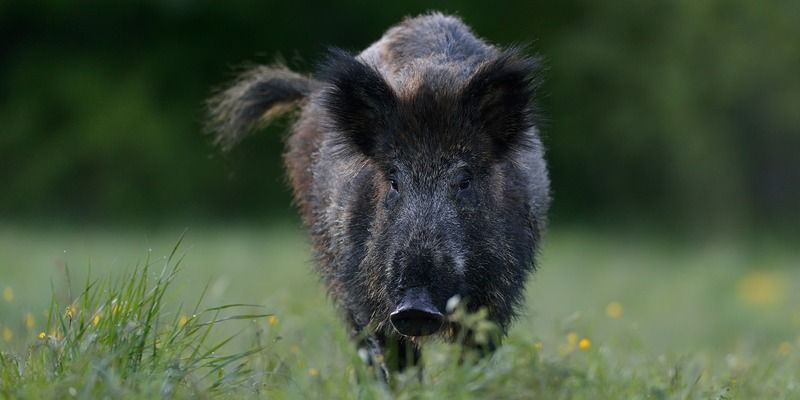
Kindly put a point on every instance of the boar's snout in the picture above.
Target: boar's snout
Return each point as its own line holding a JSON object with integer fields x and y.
{"x": 416, "y": 315}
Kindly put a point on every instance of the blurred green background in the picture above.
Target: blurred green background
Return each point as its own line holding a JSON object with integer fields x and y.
{"x": 682, "y": 115}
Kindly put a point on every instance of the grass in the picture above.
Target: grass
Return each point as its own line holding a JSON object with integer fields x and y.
{"x": 237, "y": 313}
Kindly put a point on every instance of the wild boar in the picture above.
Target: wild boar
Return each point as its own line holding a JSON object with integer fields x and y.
{"x": 418, "y": 169}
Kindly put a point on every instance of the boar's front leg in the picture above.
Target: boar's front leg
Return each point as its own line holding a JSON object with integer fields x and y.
{"x": 400, "y": 353}
{"x": 472, "y": 343}
{"x": 371, "y": 351}
{"x": 388, "y": 354}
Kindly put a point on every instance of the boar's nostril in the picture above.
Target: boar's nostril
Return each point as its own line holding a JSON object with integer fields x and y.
{"x": 414, "y": 322}
{"x": 416, "y": 315}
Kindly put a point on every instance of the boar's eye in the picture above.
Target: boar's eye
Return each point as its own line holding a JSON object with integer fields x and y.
{"x": 394, "y": 193}
{"x": 393, "y": 181}
{"x": 464, "y": 183}
{"x": 464, "y": 180}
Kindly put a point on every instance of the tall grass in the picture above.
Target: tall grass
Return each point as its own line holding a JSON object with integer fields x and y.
{"x": 115, "y": 338}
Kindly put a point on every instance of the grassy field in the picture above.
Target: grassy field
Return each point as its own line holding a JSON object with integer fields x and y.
{"x": 609, "y": 316}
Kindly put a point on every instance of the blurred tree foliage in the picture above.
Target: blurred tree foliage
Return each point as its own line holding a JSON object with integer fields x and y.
{"x": 678, "y": 112}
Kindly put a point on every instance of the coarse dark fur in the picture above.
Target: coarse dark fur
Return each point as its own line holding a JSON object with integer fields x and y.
{"x": 416, "y": 163}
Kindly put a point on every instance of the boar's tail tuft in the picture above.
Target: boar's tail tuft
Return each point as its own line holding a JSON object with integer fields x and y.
{"x": 254, "y": 99}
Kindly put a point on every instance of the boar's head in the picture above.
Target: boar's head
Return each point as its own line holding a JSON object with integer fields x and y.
{"x": 457, "y": 185}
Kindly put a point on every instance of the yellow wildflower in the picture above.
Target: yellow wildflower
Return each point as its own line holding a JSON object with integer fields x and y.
{"x": 8, "y": 294}
{"x": 584, "y": 344}
{"x": 614, "y": 310}
{"x": 96, "y": 320}
{"x": 313, "y": 372}
{"x": 8, "y": 335}
{"x": 572, "y": 338}
{"x": 42, "y": 335}
{"x": 762, "y": 288}
{"x": 273, "y": 320}
{"x": 570, "y": 345}
{"x": 29, "y": 321}
{"x": 70, "y": 311}
{"x": 785, "y": 348}
{"x": 182, "y": 321}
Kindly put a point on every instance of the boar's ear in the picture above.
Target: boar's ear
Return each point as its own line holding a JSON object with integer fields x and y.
{"x": 359, "y": 101}
{"x": 499, "y": 98}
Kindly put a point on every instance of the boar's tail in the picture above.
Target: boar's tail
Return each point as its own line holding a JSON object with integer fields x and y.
{"x": 254, "y": 99}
